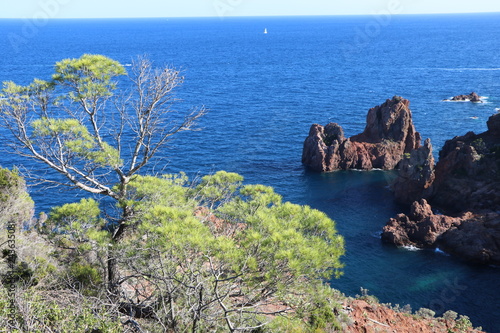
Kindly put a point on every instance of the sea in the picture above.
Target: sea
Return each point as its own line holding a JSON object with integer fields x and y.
{"x": 264, "y": 91}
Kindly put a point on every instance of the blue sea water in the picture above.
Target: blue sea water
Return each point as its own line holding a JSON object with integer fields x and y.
{"x": 265, "y": 90}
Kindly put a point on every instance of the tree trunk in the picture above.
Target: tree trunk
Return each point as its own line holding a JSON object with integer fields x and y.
{"x": 112, "y": 263}
{"x": 113, "y": 276}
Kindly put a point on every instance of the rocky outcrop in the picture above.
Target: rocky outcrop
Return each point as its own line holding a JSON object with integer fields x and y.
{"x": 472, "y": 237}
{"x": 467, "y": 176}
{"x": 368, "y": 316}
{"x": 477, "y": 239}
{"x": 415, "y": 176}
{"x": 468, "y": 171}
{"x": 466, "y": 184}
{"x": 388, "y": 135}
{"x": 472, "y": 97}
{"x": 420, "y": 228}
{"x": 493, "y": 124}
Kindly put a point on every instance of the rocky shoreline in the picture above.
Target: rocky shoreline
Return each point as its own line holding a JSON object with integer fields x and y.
{"x": 464, "y": 183}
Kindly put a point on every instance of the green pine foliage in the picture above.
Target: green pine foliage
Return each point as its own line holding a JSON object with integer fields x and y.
{"x": 226, "y": 267}
{"x": 217, "y": 255}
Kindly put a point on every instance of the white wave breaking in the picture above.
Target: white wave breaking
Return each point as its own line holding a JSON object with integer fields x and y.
{"x": 483, "y": 100}
{"x": 411, "y": 248}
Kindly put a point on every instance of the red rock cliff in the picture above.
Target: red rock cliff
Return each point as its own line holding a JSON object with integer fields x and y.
{"x": 465, "y": 183}
{"x": 388, "y": 135}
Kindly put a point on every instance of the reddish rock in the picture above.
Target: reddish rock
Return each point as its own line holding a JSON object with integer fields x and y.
{"x": 466, "y": 184}
{"x": 477, "y": 239}
{"x": 421, "y": 228}
{"x": 371, "y": 317}
{"x": 391, "y": 121}
{"x": 415, "y": 176}
{"x": 471, "y": 237}
{"x": 315, "y": 150}
{"x": 468, "y": 171}
{"x": 389, "y": 133}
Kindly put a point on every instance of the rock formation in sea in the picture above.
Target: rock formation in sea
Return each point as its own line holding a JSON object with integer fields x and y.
{"x": 468, "y": 171}
{"x": 388, "y": 135}
{"x": 471, "y": 236}
{"x": 415, "y": 175}
{"x": 472, "y": 97}
{"x": 420, "y": 228}
{"x": 465, "y": 183}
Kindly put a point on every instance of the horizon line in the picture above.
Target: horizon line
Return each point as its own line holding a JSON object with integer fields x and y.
{"x": 248, "y": 16}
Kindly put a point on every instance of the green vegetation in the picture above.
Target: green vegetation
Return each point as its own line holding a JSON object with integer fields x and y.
{"x": 480, "y": 146}
{"x": 243, "y": 259}
{"x": 425, "y": 313}
{"x": 370, "y": 299}
{"x": 170, "y": 255}
{"x": 16, "y": 206}
{"x": 96, "y": 135}
{"x": 239, "y": 265}
{"x": 56, "y": 312}
{"x": 463, "y": 324}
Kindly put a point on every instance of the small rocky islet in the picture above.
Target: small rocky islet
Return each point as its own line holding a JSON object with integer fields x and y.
{"x": 472, "y": 97}
{"x": 464, "y": 184}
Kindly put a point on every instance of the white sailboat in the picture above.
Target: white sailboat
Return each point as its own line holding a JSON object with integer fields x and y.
{"x": 265, "y": 30}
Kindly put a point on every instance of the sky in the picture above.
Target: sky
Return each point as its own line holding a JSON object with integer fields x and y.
{"x": 42, "y": 9}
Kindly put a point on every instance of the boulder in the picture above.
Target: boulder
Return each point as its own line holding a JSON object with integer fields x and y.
{"x": 315, "y": 149}
{"x": 389, "y": 133}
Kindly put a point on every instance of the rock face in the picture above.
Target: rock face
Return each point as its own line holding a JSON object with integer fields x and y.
{"x": 493, "y": 124}
{"x": 415, "y": 176}
{"x": 476, "y": 239}
{"x": 389, "y": 133}
{"x": 468, "y": 171}
{"x": 465, "y": 183}
{"x": 472, "y": 97}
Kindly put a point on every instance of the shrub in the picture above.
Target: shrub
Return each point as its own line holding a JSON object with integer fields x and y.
{"x": 425, "y": 313}
{"x": 62, "y": 312}
{"x": 463, "y": 324}
{"x": 85, "y": 277}
{"x": 370, "y": 299}
{"x": 450, "y": 315}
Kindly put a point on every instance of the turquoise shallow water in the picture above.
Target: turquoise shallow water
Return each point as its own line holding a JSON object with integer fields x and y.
{"x": 265, "y": 90}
